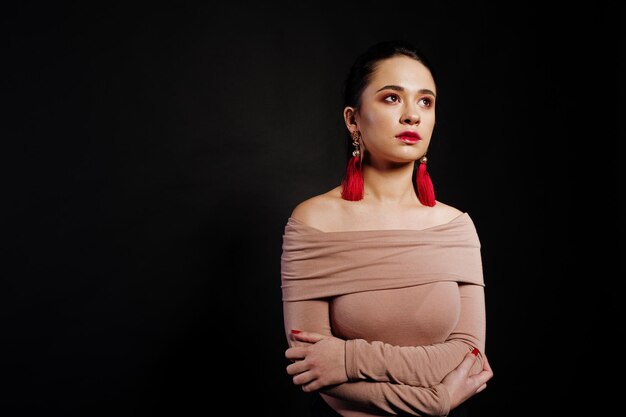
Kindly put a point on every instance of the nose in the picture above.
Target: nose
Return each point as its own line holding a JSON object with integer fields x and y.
{"x": 411, "y": 115}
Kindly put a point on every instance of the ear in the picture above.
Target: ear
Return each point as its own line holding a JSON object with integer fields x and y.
{"x": 349, "y": 116}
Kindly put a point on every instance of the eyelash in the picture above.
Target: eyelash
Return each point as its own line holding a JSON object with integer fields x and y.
{"x": 429, "y": 104}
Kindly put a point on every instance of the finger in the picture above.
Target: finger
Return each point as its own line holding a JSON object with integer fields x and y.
{"x": 468, "y": 361}
{"x": 295, "y": 353}
{"x": 311, "y": 386}
{"x": 486, "y": 365}
{"x": 297, "y": 368}
{"x": 481, "y": 388}
{"x": 303, "y": 378}
{"x": 309, "y": 337}
{"x": 482, "y": 377}
{"x": 487, "y": 368}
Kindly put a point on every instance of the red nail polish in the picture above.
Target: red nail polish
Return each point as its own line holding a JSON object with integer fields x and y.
{"x": 475, "y": 351}
{"x": 295, "y": 331}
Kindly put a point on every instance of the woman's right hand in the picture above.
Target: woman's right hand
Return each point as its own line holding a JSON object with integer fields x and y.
{"x": 461, "y": 385}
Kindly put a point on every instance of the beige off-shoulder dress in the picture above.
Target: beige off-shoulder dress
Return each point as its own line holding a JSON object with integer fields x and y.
{"x": 410, "y": 304}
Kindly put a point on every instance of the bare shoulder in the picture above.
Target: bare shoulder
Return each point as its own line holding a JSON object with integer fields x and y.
{"x": 317, "y": 210}
{"x": 444, "y": 213}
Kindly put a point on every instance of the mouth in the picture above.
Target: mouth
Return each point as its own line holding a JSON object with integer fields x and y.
{"x": 408, "y": 137}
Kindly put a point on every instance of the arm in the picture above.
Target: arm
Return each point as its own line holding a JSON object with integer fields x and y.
{"x": 394, "y": 398}
{"x": 422, "y": 366}
{"x": 364, "y": 397}
{"x": 313, "y": 316}
{"x": 457, "y": 387}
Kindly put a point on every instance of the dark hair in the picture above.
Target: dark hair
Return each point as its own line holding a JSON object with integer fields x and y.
{"x": 362, "y": 69}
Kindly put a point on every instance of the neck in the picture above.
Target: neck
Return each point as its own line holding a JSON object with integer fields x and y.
{"x": 390, "y": 184}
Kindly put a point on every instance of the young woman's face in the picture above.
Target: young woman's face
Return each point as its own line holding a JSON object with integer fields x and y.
{"x": 397, "y": 113}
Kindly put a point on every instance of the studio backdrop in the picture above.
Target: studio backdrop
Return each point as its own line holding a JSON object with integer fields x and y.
{"x": 153, "y": 154}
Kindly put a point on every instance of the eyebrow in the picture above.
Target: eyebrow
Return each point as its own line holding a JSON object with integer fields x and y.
{"x": 399, "y": 88}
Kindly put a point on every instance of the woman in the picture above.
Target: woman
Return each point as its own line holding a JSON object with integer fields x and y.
{"x": 383, "y": 293}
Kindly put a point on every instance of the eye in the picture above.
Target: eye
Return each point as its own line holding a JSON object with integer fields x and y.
{"x": 392, "y": 98}
{"x": 426, "y": 101}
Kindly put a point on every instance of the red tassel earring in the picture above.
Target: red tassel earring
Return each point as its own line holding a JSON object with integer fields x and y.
{"x": 425, "y": 189}
{"x": 353, "y": 180}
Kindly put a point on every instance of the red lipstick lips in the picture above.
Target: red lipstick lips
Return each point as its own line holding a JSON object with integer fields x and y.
{"x": 408, "y": 137}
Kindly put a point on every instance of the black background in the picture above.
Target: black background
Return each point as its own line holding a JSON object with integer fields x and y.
{"x": 153, "y": 153}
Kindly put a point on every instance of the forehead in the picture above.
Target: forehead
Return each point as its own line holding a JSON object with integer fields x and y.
{"x": 402, "y": 71}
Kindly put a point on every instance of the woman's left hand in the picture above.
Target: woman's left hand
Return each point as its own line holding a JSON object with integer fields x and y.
{"x": 318, "y": 364}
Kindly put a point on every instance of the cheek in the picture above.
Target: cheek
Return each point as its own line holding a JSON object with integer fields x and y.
{"x": 428, "y": 122}
{"x": 370, "y": 118}
{"x": 377, "y": 118}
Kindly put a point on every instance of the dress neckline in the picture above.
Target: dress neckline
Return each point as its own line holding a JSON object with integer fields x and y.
{"x": 426, "y": 229}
